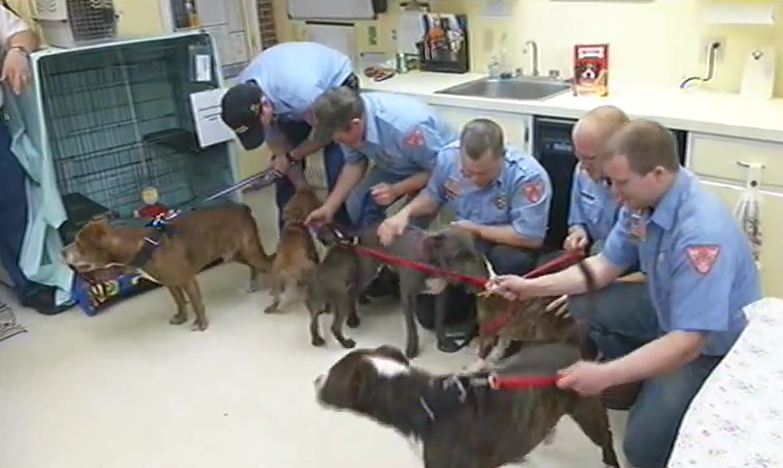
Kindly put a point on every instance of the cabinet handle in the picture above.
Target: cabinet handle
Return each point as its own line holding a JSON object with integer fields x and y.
{"x": 749, "y": 165}
{"x": 527, "y": 134}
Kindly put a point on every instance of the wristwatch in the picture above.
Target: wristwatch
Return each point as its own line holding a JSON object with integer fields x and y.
{"x": 20, "y": 49}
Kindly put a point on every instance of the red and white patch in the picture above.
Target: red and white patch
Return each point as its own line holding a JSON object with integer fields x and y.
{"x": 703, "y": 257}
{"x": 533, "y": 191}
{"x": 415, "y": 138}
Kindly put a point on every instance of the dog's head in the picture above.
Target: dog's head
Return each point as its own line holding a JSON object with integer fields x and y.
{"x": 454, "y": 249}
{"x": 90, "y": 249}
{"x": 349, "y": 382}
{"x": 300, "y": 205}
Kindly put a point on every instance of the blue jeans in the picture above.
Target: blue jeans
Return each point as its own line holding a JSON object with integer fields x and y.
{"x": 13, "y": 212}
{"x": 361, "y": 207}
{"x": 624, "y": 319}
{"x": 297, "y": 132}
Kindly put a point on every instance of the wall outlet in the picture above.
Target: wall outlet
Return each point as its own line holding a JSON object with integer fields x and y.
{"x": 372, "y": 35}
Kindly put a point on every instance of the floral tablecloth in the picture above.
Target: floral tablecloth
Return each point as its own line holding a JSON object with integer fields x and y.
{"x": 736, "y": 419}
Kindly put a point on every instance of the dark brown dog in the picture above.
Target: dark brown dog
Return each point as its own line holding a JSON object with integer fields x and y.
{"x": 296, "y": 256}
{"x": 337, "y": 283}
{"x": 192, "y": 242}
{"x": 460, "y": 422}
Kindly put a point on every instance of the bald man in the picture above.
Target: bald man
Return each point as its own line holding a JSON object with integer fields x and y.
{"x": 593, "y": 210}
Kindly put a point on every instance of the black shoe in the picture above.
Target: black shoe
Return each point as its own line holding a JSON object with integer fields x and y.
{"x": 456, "y": 339}
{"x": 41, "y": 298}
{"x": 386, "y": 283}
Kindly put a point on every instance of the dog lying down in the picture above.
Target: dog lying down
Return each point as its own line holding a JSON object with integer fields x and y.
{"x": 460, "y": 422}
{"x": 192, "y": 242}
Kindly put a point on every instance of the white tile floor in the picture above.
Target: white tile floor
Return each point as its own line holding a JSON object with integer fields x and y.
{"x": 126, "y": 389}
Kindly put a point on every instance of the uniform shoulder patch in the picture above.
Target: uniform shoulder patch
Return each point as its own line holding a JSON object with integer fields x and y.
{"x": 533, "y": 191}
{"x": 703, "y": 257}
{"x": 415, "y": 138}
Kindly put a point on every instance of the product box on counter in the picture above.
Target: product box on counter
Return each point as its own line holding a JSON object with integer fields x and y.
{"x": 591, "y": 70}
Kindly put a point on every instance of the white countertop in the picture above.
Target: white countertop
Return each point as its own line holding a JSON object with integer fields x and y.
{"x": 691, "y": 109}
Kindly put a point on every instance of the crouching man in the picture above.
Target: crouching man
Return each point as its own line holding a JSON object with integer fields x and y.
{"x": 499, "y": 194}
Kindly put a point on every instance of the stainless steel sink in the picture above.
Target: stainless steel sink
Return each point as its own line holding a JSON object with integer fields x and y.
{"x": 529, "y": 88}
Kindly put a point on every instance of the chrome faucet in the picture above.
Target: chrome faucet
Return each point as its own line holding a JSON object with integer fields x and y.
{"x": 534, "y": 56}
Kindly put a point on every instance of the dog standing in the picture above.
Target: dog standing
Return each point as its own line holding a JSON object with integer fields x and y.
{"x": 336, "y": 285}
{"x": 190, "y": 243}
{"x": 296, "y": 256}
{"x": 460, "y": 423}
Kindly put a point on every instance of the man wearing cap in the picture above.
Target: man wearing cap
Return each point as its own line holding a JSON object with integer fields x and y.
{"x": 400, "y": 135}
{"x": 272, "y": 103}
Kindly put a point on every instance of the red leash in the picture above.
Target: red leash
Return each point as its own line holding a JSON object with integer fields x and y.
{"x": 567, "y": 259}
{"x": 421, "y": 267}
{"x": 498, "y": 382}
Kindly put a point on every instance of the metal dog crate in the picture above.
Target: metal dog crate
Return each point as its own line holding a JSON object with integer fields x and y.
{"x": 115, "y": 118}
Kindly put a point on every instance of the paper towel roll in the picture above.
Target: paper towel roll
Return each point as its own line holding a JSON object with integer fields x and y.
{"x": 756, "y": 13}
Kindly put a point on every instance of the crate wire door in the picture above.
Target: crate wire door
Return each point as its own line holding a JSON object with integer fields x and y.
{"x": 119, "y": 120}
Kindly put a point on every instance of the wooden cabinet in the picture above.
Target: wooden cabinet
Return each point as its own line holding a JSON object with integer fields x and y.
{"x": 517, "y": 128}
{"x": 718, "y": 161}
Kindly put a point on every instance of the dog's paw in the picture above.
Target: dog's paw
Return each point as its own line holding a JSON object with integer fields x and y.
{"x": 178, "y": 319}
{"x": 363, "y": 299}
{"x": 348, "y": 343}
{"x": 353, "y": 321}
{"x": 448, "y": 345}
{"x": 199, "y": 326}
{"x": 271, "y": 309}
{"x": 412, "y": 350}
{"x": 317, "y": 341}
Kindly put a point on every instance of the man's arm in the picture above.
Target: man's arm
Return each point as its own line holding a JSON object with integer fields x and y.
{"x": 571, "y": 280}
{"x": 350, "y": 176}
{"x": 507, "y": 235}
{"x": 412, "y": 184}
{"x": 305, "y": 149}
{"x": 422, "y": 205}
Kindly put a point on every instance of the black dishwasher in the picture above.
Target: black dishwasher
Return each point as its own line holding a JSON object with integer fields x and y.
{"x": 553, "y": 148}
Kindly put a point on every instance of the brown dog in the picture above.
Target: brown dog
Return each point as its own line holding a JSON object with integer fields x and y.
{"x": 460, "y": 421}
{"x": 296, "y": 256}
{"x": 191, "y": 242}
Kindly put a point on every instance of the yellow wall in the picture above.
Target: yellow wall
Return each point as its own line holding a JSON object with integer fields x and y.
{"x": 656, "y": 43}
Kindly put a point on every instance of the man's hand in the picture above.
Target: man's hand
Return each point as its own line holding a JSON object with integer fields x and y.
{"x": 585, "y": 378}
{"x": 576, "y": 240}
{"x": 511, "y": 287}
{"x": 559, "y": 306}
{"x": 392, "y": 227}
{"x": 16, "y": 71}
{"x": 469, "y": 226}
{"x": 384, "y": 194}
{"x": 280, "y": 164}
{"x": 320, "y": 216}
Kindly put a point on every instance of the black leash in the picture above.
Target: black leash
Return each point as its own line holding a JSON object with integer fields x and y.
{"x": 160, "y": 225}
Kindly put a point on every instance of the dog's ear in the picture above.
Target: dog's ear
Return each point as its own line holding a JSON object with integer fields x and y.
{"x": 392, "y": 353}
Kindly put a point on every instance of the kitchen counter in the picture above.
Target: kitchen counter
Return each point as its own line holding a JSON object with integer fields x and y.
{"x": 691, "y": 109}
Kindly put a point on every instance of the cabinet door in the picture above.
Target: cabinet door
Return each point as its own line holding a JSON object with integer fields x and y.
{"x": 516, "y": 127}
{"x": 771, "y": 208}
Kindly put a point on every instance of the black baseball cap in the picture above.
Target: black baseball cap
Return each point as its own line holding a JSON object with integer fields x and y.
{"x": 240, "y": 110}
